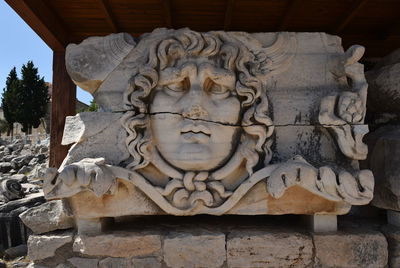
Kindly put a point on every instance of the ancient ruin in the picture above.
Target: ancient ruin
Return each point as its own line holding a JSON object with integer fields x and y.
{"x": 214, "y": 123}
{"x": 230, "y": 134}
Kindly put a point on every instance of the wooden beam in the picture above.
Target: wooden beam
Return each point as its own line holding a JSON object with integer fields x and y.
{"x": 62, "y": 105}
{"x": 353, "y": 10}
{"x": 391, "y": 30}
{"x": 43, "y": 21}
{"x": 167, "y": 13}
{"x": 109, "y": 16}
{"x": 228, "y": 14}
{"x": 294, "y": 6}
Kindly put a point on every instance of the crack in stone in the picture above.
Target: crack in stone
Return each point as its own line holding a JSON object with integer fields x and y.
{"x": 248, "y": 125}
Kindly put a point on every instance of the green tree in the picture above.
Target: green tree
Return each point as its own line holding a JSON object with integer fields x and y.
{"x": 93, "y": 107}
{"x": 33, "y": 98}
{"x": 3, "y": 126}
{"x": 9, "y": 100}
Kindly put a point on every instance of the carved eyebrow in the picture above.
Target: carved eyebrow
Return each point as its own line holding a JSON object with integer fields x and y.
{"x": 220, "y": 76}
{"x": 170, "y": 75}
{"x": 176, "y": 74}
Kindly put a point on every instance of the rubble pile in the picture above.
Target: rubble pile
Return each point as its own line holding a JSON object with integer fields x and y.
{"x": 21, "y": 166}
{"x": 22, "y": 161}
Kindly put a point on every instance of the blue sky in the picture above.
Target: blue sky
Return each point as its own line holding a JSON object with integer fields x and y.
{"x": 19, "y": 44}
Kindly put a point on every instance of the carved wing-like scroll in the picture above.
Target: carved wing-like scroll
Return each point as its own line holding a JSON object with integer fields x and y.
{"x": 344, "y": 114}
{"x": 274, "y": 59}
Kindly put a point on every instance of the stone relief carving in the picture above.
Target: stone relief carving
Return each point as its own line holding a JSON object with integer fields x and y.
{"x": 345, "y": 113}
{"x": 197, "y": 120}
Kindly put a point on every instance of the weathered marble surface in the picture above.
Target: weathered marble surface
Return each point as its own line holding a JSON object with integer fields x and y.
{"x": 50, "y": 216}
{"x": 215, "y": 123}
{"x": 44, "y": 246}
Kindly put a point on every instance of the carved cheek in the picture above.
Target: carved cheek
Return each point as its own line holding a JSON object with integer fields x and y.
{"x": 163, "y": 102}
{"x": 226, "y": 110}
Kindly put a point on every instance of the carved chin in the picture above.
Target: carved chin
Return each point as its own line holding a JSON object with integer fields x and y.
{"x": 194, "y": 157}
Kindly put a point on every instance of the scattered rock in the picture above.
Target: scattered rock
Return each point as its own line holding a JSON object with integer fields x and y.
{"x": 48, "y": 217}
{"x": 21, "y": 178}
{"x": 11, "y": 189}
{"x": 33, "y": 161}
{"x": 41, "y": 157}
{"x": 5, "y": 167}
{"x": 25, "y": 169}
{"x": 44, "y": 246}
{"x": 29, "y": 201}
{"x": 15, "y": 252}
{"x": 22, "y": 157}
{"x": 30, "y": 188}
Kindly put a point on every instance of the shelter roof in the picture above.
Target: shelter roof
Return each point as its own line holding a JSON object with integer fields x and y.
{"x": 372, "y": 23}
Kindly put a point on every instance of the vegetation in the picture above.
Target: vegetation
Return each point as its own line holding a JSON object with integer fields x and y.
{"x": 9, "y": 101}
{"x": 25, "y": 100}
{"x": 93, "y": 107}
{"x": 3, "y": 126}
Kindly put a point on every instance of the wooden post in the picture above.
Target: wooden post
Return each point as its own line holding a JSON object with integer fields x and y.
{"x": 62, "y": 105}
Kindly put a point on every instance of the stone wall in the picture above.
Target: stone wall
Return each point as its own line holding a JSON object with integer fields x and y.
{"x": 207, "y": 241}
{"x": 214, "y": 244}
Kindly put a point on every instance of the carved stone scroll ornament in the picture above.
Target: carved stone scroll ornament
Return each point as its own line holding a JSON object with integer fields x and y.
{"x": 196, "y": 193}
{"x": 344, "y": 114}
{"x": 11, "y": 189}
{"x": 198, "y": 126}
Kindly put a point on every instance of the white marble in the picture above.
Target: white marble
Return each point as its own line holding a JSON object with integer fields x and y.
{"x": 216, "y": 123}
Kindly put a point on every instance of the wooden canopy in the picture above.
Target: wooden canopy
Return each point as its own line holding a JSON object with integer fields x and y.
{"x": 374, "y": 24}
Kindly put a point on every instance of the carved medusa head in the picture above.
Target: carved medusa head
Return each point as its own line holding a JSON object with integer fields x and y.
{"x": 196, "y": 102}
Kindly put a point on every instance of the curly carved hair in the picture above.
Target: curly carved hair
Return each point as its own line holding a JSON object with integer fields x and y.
{"x": 227, "y": 52}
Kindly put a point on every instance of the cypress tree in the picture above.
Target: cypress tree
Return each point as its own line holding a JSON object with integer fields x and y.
{"x": 33, "y": 98}
{"x": 9, "y": 100}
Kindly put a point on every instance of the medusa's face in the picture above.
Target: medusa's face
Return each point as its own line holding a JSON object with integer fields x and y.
{"x": 195, "y": 113}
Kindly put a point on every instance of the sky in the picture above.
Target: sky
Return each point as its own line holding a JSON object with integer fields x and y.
{"x": 20, "y": 44}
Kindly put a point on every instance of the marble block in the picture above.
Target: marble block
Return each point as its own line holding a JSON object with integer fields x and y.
{"x": 215, "y": 123}
{"x": 384, "y": 161}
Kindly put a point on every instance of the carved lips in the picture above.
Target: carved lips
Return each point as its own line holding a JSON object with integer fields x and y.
{"x": 196, "y": 133}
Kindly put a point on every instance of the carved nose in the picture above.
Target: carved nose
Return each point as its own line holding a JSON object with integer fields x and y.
{"x": 195, "y": 112}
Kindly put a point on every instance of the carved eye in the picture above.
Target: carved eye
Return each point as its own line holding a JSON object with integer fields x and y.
{"x": 217, "y": 89}
{"x": 177, "y": 86}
